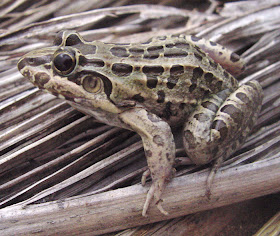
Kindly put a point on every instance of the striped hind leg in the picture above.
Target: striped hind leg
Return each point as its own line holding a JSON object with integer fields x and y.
{"x": 220, "y": 125}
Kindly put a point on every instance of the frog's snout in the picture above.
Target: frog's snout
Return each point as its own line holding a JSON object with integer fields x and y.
{"x": 25, "y": 65}
{"x": 21, "y": 64}
{"x": 24, "y": 68}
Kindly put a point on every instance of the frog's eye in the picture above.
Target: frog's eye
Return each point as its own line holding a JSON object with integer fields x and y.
{"x": 92, "y": 83}
{"x": 64, "y": 62}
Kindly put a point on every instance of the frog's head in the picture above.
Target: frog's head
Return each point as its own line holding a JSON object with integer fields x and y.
{"x": 61, "y": 70}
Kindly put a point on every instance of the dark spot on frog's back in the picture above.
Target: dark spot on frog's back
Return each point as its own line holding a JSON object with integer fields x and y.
{"x": 152, "y": 82}
{"x": 95, "y": 62}
{"x": 182, "y": 45}
{"x": 119, "y": 51}
{"x": 137, "y": 51}
{"x": 151, "y": 73}
{"x": 177, "y": 70}
{"x": 153, "y": 70}
{"x": 170, "y": 45}
{"x": 72, "y": 39}
{"x": 151, "y": 56}
{"x": 208, "y": 77}
{"x": 172, "y": 81}
{"x": 155, "y": 49}
{"x": 197, "y": 74}
{"x": 176, "y": 53}
{"x": 198, "y": 57}
{"x": 121, "y": 69}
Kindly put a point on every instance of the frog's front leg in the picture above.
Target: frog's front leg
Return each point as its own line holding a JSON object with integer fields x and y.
{"x": 159, "y": 148}
{"x": 220, "y": 124}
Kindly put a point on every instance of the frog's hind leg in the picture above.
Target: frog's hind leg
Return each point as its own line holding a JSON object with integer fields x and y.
{"x": 220, "y": 125}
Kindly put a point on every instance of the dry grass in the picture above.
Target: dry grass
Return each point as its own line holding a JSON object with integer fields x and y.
{"x": 85, "y": 170}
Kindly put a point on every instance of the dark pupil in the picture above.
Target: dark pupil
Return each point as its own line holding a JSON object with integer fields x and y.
{"x": 63, "y": 62}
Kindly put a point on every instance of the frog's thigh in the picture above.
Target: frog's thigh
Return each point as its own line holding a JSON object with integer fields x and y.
{"x": 159, "y": 148}
{"x": 224, "y": 56}
{"x": 221, "y": 123}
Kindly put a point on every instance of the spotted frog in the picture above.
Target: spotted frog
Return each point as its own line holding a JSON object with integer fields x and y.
{"x": 167, "y": 82}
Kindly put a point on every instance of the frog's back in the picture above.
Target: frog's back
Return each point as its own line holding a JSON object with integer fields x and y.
{"x": 164, "y": 69}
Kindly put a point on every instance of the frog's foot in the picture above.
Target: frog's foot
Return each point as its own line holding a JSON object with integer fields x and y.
{"x": 211, "y": 176}
{"x": 154, "y": 192}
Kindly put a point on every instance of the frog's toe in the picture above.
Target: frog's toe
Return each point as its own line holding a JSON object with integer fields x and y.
{"x": 149, "y": 198}
{"x": 145, "y": 175}
{"x": 210, "y": 179}
{"x": 155, "y": 192}
{"x": 159, "y": 206}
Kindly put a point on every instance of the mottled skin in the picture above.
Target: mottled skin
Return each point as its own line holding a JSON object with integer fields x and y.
{"x": 149, "y": 88}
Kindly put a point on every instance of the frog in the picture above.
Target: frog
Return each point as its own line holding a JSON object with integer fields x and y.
{"x": 168, "y": 82}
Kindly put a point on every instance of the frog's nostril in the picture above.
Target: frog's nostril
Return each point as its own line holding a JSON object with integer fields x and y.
{"x": 30, "y": 60}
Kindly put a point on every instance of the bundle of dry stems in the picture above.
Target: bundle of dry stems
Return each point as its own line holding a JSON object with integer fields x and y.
{"x": 63, "y": 172}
